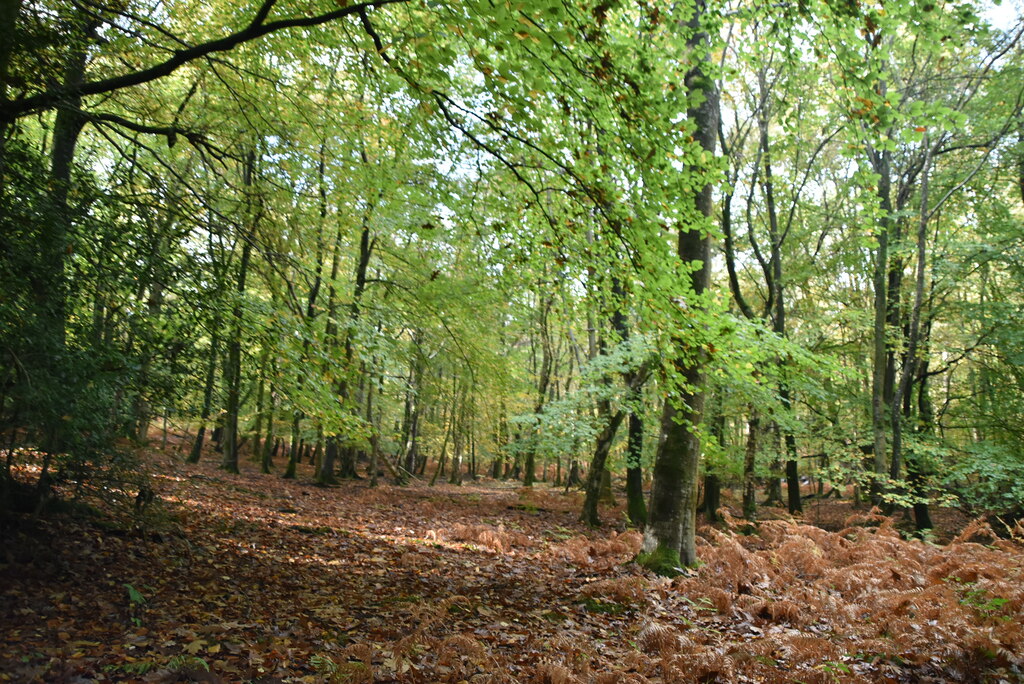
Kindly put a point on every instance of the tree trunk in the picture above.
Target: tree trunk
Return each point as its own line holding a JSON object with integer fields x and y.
{"x": 233, "y": 369}
{"x": 443, "y": 458}
{"x": 373, "y": 419}
{"x": 749, "y": 465}
{"x": 261, "y": 406}
{"x": 881, "y": 162}
{"x": 347, "y": 464}
{"x": 48, "y": 281}
{"x": 573, "y": 479}
{"x": 293, "y": 451}
{"x": 905, "y": 386}
{"x": 792, "y": 483}
{"x": 607, "y": 496}
{"x": 777, "y": 296}
{"x": 595, "y": 474}
{"x": 411, "y": 422}
{"x": 267, "y": 455}
{"x": 9, "y": 11}
{"x": 366, "y": 247}
{"x": 635, "y": 505}
{"x": 712, "y": 497}
{"x": 458, "y": 439}
{"x": 543, "y": 382}
{"x": 143, "y": 409}
{"x": 773, "y": 492}
{"x": 669, "y": 537}
{"x": 204, "y": 416}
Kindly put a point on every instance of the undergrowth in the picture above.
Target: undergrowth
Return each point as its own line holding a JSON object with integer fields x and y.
{"x": 792, "y": 603}
{"x": 434, "y": 585}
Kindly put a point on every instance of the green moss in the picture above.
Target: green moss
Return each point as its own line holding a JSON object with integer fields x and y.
{"x": 662, "y": 560}
{"x": 319, "y": 530}
{"x": 595, "y": 605}
{"x": 554, "y": 616}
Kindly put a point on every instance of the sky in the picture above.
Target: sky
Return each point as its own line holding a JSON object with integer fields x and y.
{"x": 1004, "y": 15}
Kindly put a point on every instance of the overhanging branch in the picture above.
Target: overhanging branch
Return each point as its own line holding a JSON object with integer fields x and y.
{"x": 257, "y": 28}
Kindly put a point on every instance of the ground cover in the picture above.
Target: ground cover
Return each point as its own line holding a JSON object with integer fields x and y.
{"x": 255, "y": 578}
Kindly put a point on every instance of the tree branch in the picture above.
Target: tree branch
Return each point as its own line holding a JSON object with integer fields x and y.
{"x": 171, "y": 132}
{"x": 257, "y": 28}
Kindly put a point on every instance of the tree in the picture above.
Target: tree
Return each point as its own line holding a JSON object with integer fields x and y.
{"x": 669, "y": 537}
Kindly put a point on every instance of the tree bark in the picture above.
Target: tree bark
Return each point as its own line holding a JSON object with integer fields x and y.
{"x": 881, "y": 162}
{"x": 267, "y": 452}
{"x": 49, "y": 280}
{"x": 909, "y": 371}
{"x": 669, "y": 538}
{"x": 598, "y": 464}
{"x": 635, "y": 505}
{"x": 712, "y": 496}
{"x": 412, "y": 413}
{"x": 749, "y": 463}
{"x": 204, "y": 416}
{"x": 233, "y": 369}
{"x": 366, "y": 247}
{"x": 777, "y": 297}
{"x": 543, "y": 381}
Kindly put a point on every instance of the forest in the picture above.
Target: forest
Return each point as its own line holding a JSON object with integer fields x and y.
{"x": 511, "y": 340}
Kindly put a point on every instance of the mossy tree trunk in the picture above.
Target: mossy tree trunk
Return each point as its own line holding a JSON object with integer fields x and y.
{"x": 670, "y": 534}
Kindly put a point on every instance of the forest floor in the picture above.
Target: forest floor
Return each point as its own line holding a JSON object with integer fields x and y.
{"x": 250, "y": 577}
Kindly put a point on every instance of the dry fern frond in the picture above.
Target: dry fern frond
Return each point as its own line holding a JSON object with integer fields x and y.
{"x": 656, "y": 638}
{"x": 960, "y": 568}
{"x": 872, "y": 518}
{"x": 578, "y": 551}
{"x": 636, "y": 661}
{"x": 552, "y": 673}
{"x": 977, "y": 532}
{"x": 495, "y": 538}
{"x": 355, "y": 665}
{"x": 452, "y": 603}
{"x": 802, "y": 556}
{"x": 790, "y": 611}
{"x": 720, "y": 599}
{"x": 577, "y": 652}
{"x": 621, "y": 678}
{"x": 464, "y": 646}
{"x": 351, "y": 672}
{"x": 730, "y": 565}
{"x": 710, "y": 665}
{"x": 804, "y": 649}
{"x": 459, "y": 656}
{"x": 632, "y": 590}
{"x": 751, "y": 605}
{"x": 717, "y": 536}
{"x": 730, "y": 522}
{"x": 600, "y": 554}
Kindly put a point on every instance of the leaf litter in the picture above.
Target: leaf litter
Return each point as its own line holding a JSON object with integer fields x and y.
{"x": 253, "y": 578}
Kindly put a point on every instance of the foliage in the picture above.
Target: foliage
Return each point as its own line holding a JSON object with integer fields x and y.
{"x": 987, "y": 479}
{"x": 406, "y": 231}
